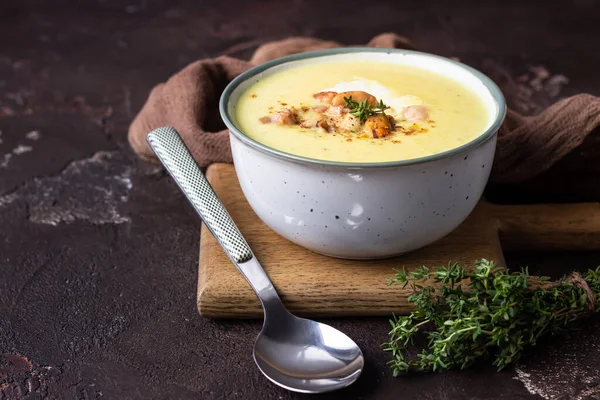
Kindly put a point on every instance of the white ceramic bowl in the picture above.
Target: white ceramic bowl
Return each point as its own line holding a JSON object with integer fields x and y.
{"x": 364, "y": 210}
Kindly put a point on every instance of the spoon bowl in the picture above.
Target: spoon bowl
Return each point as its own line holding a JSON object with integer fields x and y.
{"x": 307, "y": 356}
{"x": 295, "y": 353}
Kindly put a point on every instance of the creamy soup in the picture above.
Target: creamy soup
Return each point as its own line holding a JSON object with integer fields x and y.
{"x": 357, "y": 111}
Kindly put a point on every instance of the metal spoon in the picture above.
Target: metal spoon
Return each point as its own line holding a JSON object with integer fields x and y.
{"x": 295, "y": 353}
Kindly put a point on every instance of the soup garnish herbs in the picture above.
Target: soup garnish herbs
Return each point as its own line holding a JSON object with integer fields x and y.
{"x": 354, "y": 113}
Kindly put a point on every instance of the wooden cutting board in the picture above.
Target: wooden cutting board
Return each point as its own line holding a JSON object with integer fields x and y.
{"x": 313, "y": 285}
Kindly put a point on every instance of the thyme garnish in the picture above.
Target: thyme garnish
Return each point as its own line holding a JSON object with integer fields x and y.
{"x": 484, "y": 312}
{"x": 362, "y": 110}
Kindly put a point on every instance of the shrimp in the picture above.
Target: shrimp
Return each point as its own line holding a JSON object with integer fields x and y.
{"x": 285, "y": 117}
{"x": 320, "y": 109}
{"x": 337, "y": 111}
{"x": 356, "y": 95}
{"x": 415, "y": 113}
{"x": 324, "y": 97}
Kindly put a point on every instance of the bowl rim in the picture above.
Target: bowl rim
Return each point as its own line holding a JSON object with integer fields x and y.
{"x": 488, "y": 134}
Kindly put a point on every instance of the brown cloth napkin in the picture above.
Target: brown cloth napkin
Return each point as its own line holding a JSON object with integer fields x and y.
{"x": 527, "y": 145}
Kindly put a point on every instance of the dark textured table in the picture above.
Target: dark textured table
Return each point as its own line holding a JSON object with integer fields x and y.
{"x": 99, "y": 252}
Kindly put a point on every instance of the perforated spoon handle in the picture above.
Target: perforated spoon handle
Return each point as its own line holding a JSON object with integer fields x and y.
{"x": 177, "y": 159}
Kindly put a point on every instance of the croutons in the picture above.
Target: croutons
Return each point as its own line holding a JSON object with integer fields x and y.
{"x": 379, "y": 125}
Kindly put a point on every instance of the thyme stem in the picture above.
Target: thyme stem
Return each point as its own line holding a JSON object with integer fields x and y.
{"x": 484, "y": 312}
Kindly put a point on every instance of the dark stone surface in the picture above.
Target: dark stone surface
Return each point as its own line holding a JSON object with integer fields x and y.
{"x": 98, "y": 252}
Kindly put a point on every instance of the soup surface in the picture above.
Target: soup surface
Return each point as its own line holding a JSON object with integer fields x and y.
{"x": 357, "y": 111}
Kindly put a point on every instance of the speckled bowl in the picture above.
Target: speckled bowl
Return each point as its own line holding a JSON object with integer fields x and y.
{"x": 364, "y": 210}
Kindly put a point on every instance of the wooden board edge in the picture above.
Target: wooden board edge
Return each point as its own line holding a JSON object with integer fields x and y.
{"x": 548, "y": 227}
{"x": 202, "y": 274}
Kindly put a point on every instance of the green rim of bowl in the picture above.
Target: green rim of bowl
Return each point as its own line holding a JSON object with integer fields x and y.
{"x": 249, "y": 74}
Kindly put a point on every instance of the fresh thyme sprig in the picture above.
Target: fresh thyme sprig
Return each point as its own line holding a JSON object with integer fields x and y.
{"x": 362, "y": 110}
{"x": 485, "y": 312}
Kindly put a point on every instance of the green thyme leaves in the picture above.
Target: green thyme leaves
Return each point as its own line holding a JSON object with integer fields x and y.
{"x": 486, "y": 312}
{"x": 363, "y": 110}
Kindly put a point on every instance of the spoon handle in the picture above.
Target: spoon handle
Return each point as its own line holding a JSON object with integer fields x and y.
{"x": 175, "y": 156}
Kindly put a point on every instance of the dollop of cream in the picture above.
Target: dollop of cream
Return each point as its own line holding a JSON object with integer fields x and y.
{"x": 396, "y": 102}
